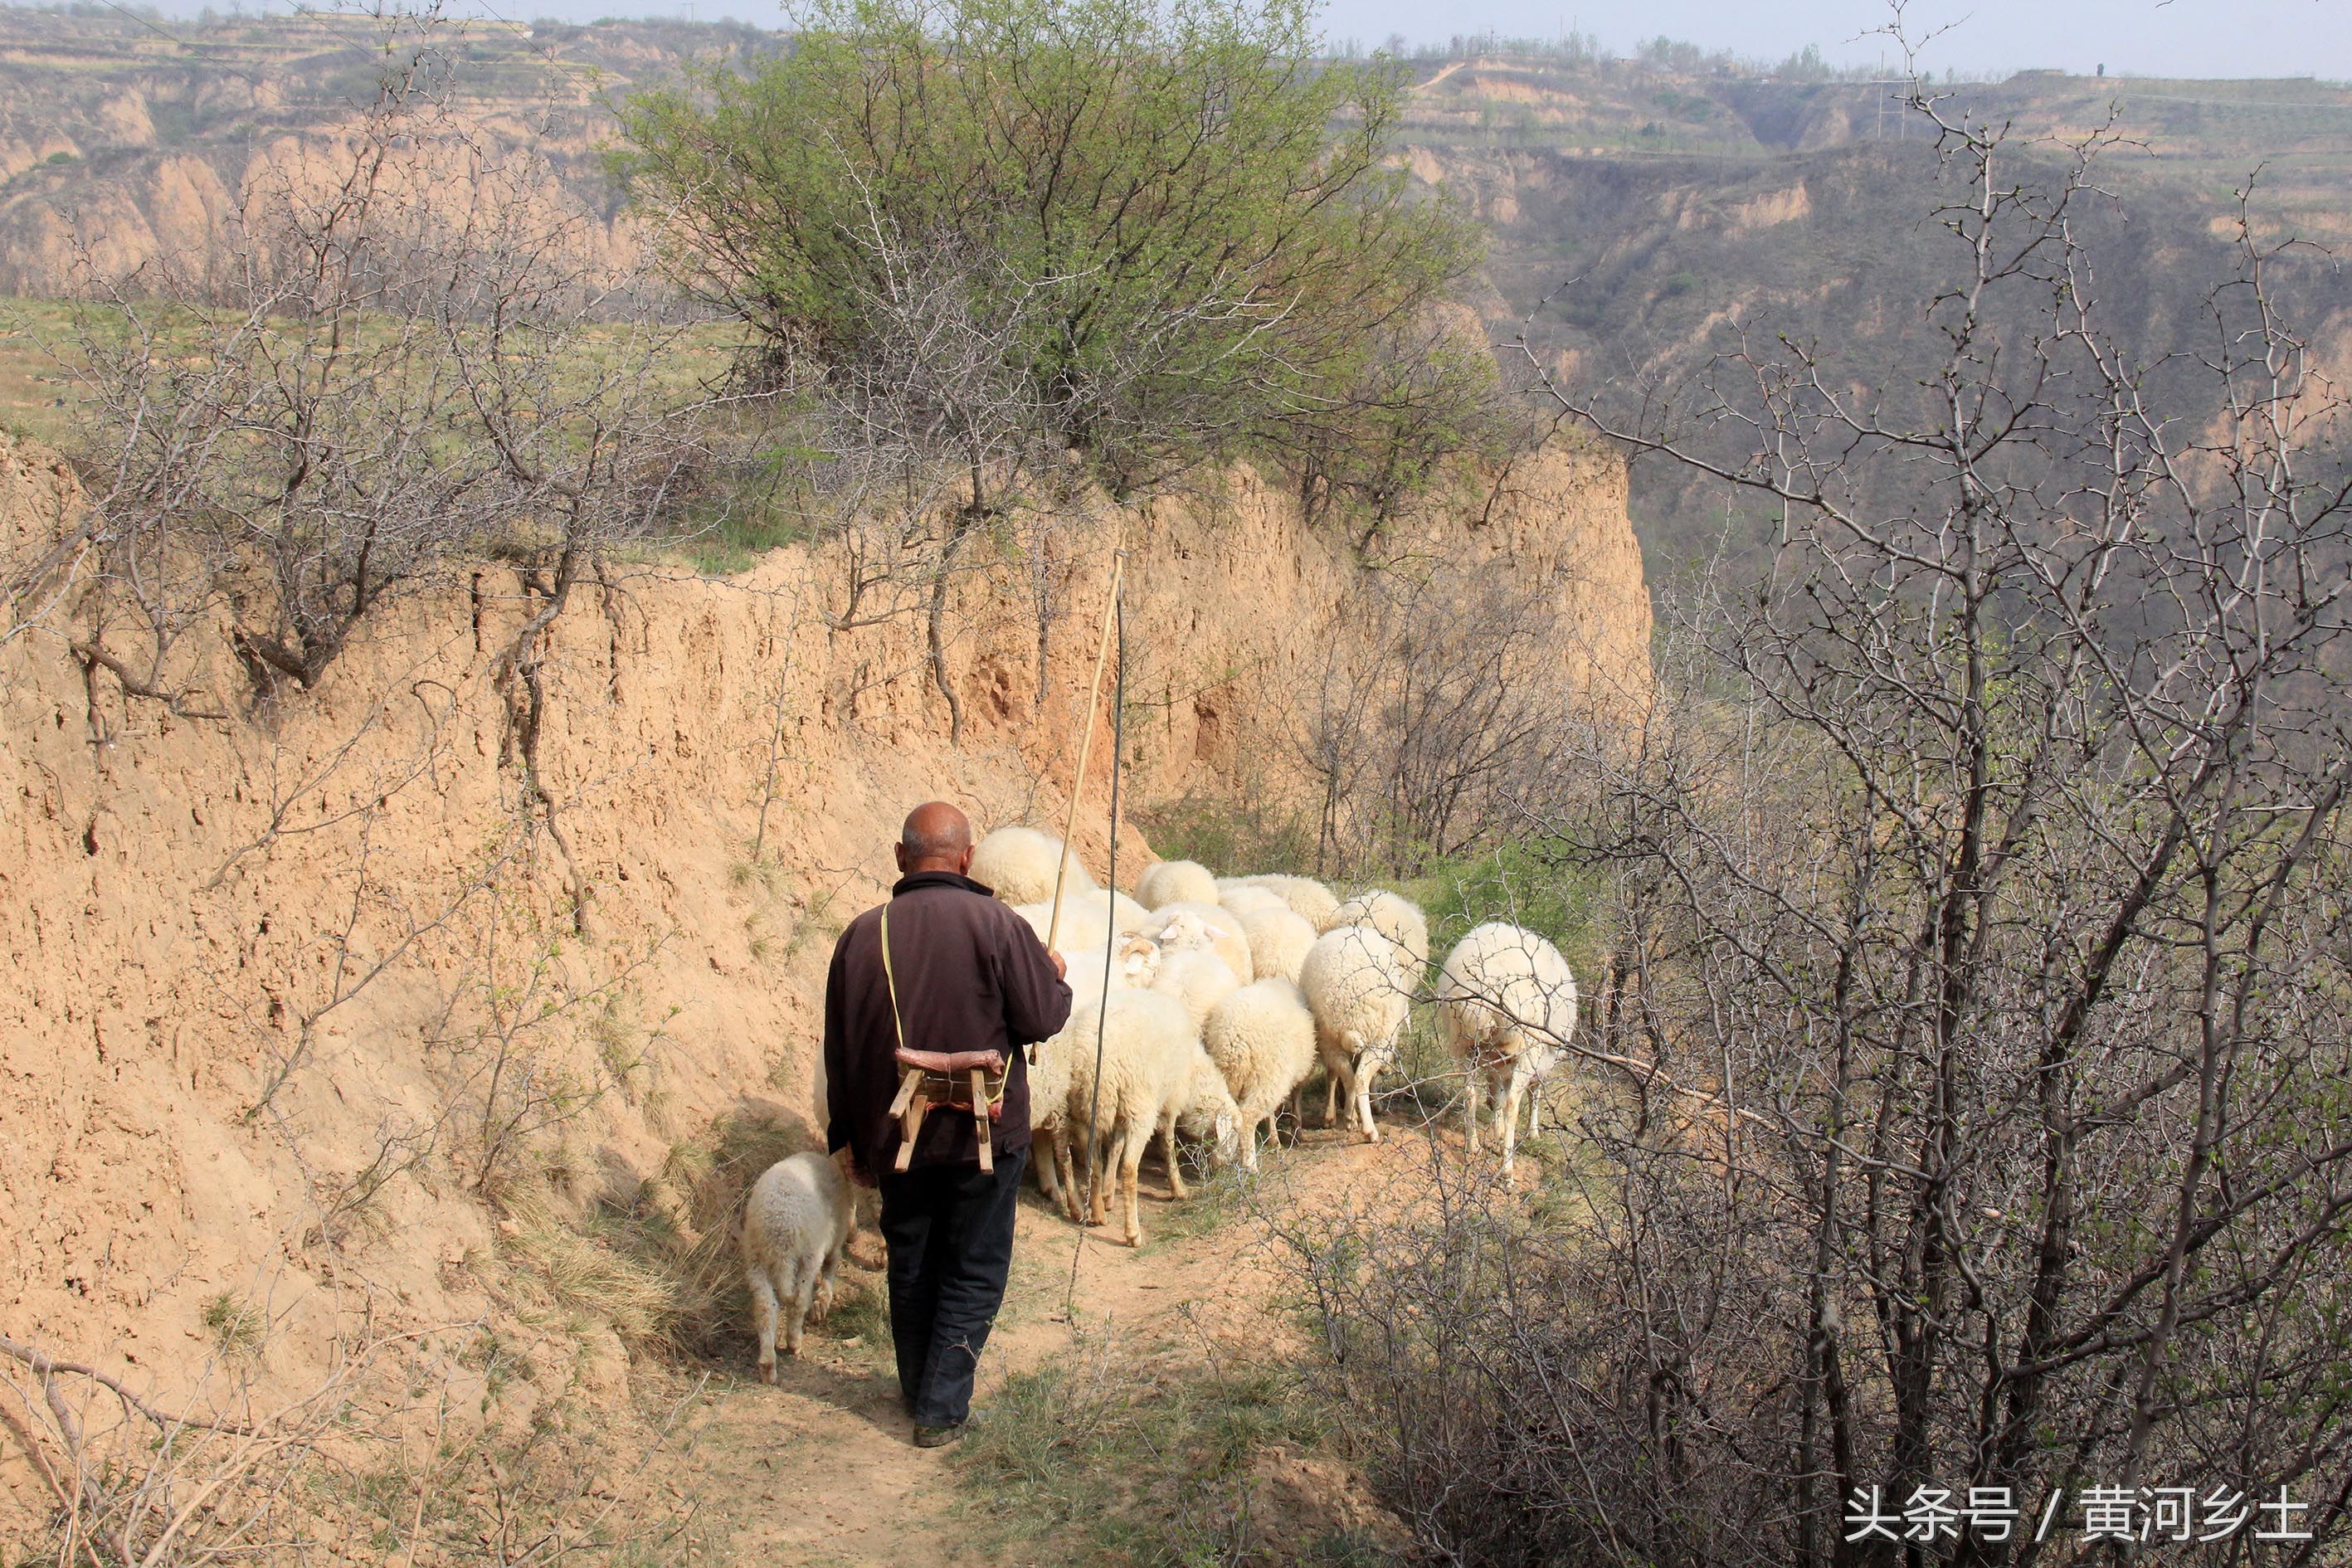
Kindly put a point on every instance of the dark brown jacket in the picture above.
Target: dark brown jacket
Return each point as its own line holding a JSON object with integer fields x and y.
{"x": 973, "y": 976}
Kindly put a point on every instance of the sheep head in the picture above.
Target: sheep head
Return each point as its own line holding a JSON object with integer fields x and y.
{"x": 1186, "y": 933}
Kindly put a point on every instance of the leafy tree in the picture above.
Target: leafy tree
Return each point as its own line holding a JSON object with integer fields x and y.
{"x": 1183, "y": 231}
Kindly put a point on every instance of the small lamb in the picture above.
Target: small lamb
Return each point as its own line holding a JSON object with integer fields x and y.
{"x": 796, "y": 1222}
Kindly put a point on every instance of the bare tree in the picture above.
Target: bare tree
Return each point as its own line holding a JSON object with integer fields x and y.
{"x": 1962, "y": 1123}
{"x": 1434, "y": 717}
{"x": 412, "y": 352}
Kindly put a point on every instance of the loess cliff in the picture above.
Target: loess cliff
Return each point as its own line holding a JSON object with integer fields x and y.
{"x": 337, "y": 1005}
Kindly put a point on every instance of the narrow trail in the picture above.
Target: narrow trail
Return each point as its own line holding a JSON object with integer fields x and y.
{"x": 820, "y": 1471}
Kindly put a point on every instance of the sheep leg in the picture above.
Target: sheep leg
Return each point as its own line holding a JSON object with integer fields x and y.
{"x": 1045, "y": 1159}
{"x": 1535, "y": 1107}
{"x": 1130, "y": 1166}
{"x": 1364, "y": 1104}
{"x": 1066, "y": 1176}
{"x": 1474, "y": 1091}
{"x": 1176, "y": 1188}
{"x": 1099, "y": 1170}
{"x": 1249, "y": 1137}
{"x": 827, "y": 1284}
{"x": 1041, "y": 1159}
{"x": 803, "y": 1288}
{"x": 764, "y": 1321}
{"x": 1510, "y": 1116}
{"x": 1340, "y": 1080}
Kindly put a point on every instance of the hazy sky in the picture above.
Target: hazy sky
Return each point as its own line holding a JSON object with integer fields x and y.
{"x": 2168, "y": 37}
{"x": 2152, "y": 38}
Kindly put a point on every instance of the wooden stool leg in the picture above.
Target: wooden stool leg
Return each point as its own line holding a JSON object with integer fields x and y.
{"x": 906, "y": 1092}
{"x": 979, "y": 1116}
{"x": 911, "y": 1126}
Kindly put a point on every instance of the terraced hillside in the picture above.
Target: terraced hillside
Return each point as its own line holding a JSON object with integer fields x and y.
{"x": 1636, "y": 211}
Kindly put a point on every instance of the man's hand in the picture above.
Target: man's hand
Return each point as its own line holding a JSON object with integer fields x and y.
{"x": 854, "y": 1173}
{"x": 1061, "y": 964}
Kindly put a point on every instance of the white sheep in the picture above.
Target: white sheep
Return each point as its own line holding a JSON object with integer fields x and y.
{"x": 1137, "y": 966}
{"x": 1206, "y": 1111}
{"x": 1127, "y": 916}
{"x": 1506, "y": 1002}
{"x": 1355, "y": 985}
{"x": 1089, "y": 918}
{"x": 1279, "y": 939}
{"x": 1018, "y": 864}
{"x": 1182, "y": 927}
{"x": 1308, "y": 899}
{"x": 1262, "y": 1038}
{"x": 795, "y": 1224}
{"x": 1195, "y": 977}
{"x": 1176, "y": 881}
{"x": 1149, "y": 1051}
{"x": 1247, "y": 900}
{"x": 1396, "y": 918}
{"x": 1049, "y": 1104}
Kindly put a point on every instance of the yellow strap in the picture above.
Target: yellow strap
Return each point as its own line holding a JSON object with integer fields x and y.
{"x": 890, "y": 977}
{"x": 898, "y": 1027}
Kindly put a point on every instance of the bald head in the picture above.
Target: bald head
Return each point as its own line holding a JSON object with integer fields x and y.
{"x": 935, "y": 837}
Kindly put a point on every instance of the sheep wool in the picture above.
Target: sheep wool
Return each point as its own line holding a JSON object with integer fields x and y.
{"x": 1192, "y": 926}
{"x": 1245, "y": 901}
{"x": 1355, "y": 985}
{"x": 1308, "y": 899}
{"x": 1206, "y": 1113}
{"x": 1019, "y": 863}
{"x": 1506, "y": 1002}
{"x": 1396, "y": 918}
{"x": 796, "y": 1222}
{"x": 1279, "y": 941}
{"x": 1195, "y": 977}
{"x": 1176, "y": 881}
{"x": 1049, "y": 1104}
{"x": 1150, "y": 1048}
{"x": 1261, "y": 1038}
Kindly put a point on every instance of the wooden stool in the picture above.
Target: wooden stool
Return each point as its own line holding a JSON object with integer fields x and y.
{"x": 959, "y": 1080}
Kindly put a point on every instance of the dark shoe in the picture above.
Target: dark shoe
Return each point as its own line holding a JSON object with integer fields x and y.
{"x": 937, "y": 1436}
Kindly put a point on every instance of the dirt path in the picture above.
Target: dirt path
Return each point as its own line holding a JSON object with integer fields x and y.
{"x": 819, "y": 1471}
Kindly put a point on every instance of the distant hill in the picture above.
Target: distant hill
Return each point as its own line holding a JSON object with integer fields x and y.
{"x": 1636, "y": 209}
{"x": 125, "y": 136}
{"x": 1640, "y": 217}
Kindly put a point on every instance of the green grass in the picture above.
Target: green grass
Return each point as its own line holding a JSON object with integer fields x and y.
{"x": 1115, "y": 1457}
{"x": 1236, "y": 832}
{"x": 1520, "y": 883}
{"x": 37, "y": 391}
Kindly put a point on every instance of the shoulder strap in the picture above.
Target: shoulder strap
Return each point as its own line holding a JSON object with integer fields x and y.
{"x": 899, "y": 1023}
{"x": 890, "y": 977}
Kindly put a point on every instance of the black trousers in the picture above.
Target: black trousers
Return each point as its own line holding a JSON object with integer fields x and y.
{"x": 949, "y": 1230}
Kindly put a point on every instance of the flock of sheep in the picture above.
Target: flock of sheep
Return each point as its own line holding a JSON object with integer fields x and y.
{"x": 1214, "y": 998}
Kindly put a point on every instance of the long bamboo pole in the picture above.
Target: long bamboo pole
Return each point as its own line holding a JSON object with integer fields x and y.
{"x": 1085, "y": 746}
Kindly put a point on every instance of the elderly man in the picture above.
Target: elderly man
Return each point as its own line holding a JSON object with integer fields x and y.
{"x": 970, "y": 977}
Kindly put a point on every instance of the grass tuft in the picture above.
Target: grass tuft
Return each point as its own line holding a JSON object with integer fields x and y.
{"x": 237, "y": 1327}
